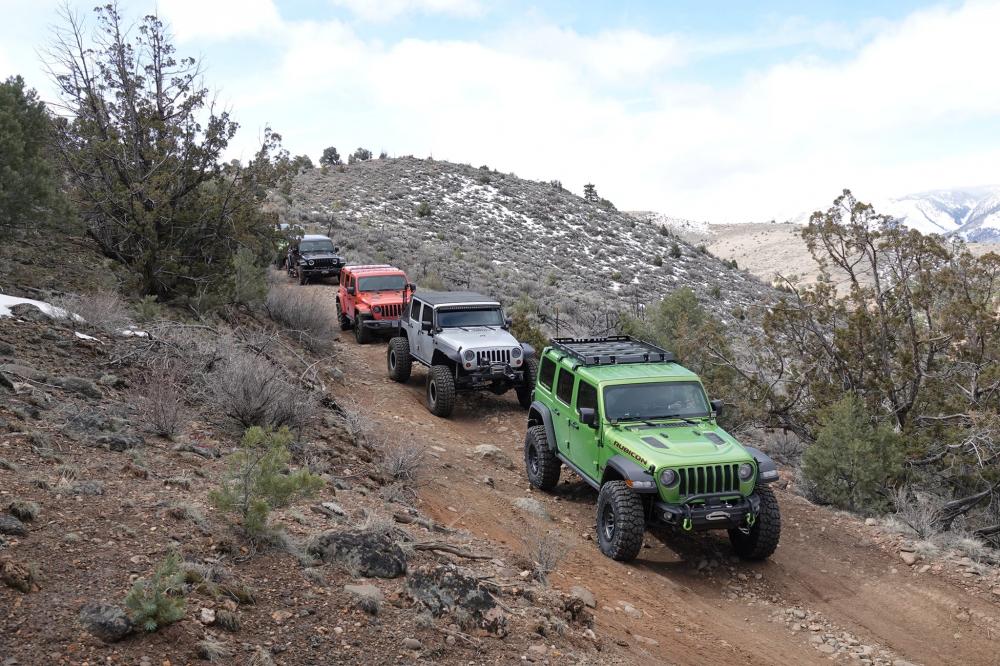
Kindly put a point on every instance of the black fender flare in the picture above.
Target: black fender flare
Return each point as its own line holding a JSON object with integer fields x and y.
{"x": 538, "y": 414}
{"x": 528, "y": 350}
{"x": 767, "y": 470}
{"x": 636, "y": 476}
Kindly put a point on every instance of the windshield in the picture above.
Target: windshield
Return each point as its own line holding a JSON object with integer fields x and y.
{"x": 315, "y": 246}
{"x": 469, "y": 317}
{"x": 382, "y": 283}
{"x": 644, "y": 402}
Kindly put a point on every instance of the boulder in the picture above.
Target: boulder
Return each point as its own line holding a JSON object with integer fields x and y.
{"x": 12, "y": 526}
{"x": 84, "y": 387}
{"x": 446, "y": 588}
{"x": 119, "y": 442}
{"x": 28, "y": 311}
{"x": 493, "y": 454}
{"x": 109, "y": 623}
{"x": 366, "y": 597}
{"x": 23, "y": 371}
{"x": 532, "y": 506}
{"x": 584, "y": 595}
{"x": 367, "y": 553}
{"x": 16, "y": 575}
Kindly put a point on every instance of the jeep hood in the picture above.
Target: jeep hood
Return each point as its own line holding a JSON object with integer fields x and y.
{"x": 477, "y": 337}
{"x": 680, "y": 444}
{"x": 381, "y": 297}
{"x": 319, "y": 255}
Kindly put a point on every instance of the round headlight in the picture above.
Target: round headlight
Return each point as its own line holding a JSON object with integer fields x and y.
{"x": 469, "y": 355}
{"x": 377, "y": 309}
{"x": 311, "y": 262}
{"x": 515, "y": 352}
{"x": 746, "y": 472}
{"x": 668, "y": 477}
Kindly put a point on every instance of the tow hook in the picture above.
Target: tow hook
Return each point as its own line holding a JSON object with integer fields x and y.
{"x": 687, "y": 524}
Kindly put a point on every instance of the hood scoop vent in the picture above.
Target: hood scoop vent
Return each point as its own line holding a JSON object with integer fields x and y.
{"x": 655, "y": 443}
{"x": 715, "y": 439}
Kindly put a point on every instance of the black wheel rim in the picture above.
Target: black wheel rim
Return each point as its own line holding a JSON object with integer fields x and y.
{"x": 532, "y": 460}
{"x": 392, "y": 360}
{"x": 607, "y": 522}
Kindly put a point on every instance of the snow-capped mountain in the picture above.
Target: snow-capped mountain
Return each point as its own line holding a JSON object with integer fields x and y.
{"x": 972, "y": 213}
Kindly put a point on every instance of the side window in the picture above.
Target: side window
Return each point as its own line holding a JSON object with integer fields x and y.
{"x": 547, "y": 372}
{"x": 564, "y": 387}
{"x": 428, "y": 314}
{"x": 414, "y": 310}
{"x": 586, "y": 396}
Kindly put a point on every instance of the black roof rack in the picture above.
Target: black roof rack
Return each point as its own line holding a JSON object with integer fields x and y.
{"x": 612, "y": 350}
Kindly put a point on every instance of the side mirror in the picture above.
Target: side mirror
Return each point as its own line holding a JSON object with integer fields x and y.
{"x": 426, "y": 326}
{"x": 508, "y": 322}
{"x": 588, "y": 416}
{"x": 717, "y": 407}
{"x": 350, "y": 290}
{"x": 336, "y": 250}
{"x": 412, "y": 287}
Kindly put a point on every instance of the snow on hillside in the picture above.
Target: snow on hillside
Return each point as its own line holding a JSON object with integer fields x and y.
{"x": 972, "y": 213}
{"x": 510, "y": 237}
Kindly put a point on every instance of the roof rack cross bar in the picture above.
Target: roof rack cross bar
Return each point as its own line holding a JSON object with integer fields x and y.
{"x": 612, "y": 350}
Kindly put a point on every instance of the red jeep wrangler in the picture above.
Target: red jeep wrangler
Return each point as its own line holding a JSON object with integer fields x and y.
{"x": 370, "y": 299}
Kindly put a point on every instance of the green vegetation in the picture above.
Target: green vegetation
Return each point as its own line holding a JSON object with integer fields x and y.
{"x": 29, "y": 193}
{"x": 330, "y": 157}
{"x": 167, "y": 205}
{"x": 852, "y": 459}
{"x": 423, "y": 209}
{"x": 258, "y": 481}
{"x": 675, "y": 250}
{"x": 158, "y": 601}
{"x": 525, "y": 325}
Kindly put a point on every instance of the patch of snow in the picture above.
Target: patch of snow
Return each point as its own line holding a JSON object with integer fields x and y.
{"x": 7, "y": 302}
{"x": 133, "y": 333}
{"x": 84, "y": 336}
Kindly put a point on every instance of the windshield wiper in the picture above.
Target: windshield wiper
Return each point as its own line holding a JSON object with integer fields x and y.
{"x": 676, "y": 417}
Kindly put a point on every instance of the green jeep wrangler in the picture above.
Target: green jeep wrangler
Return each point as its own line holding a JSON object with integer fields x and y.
{"x": 638, "y": 427}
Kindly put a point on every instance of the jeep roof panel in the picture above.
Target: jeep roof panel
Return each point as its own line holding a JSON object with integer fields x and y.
{"x": 612, "y": 350}
{"x": 454, "y": 298}
{"x": 315, "y": 237}
{"x": 369, "y": 268}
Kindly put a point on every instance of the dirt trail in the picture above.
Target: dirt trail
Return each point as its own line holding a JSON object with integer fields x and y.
{"x": 697, "y": 605}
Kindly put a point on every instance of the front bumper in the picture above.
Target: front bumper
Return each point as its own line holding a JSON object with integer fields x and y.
{"x": 379, "y": 324}
{"x": 714, "y": 513}
{"x": 489, "y": 376}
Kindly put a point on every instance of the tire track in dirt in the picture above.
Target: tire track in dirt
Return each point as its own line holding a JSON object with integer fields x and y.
{"x": 690, "y": 610}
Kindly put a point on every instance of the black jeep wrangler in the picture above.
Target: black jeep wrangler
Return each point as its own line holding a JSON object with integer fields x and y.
{"x": 312, "y": 257}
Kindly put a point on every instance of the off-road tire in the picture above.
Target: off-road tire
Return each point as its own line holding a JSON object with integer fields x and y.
{"x": 763, "y": 538}
{"x": 530, "y": 375}
{"x": 621, "y": 521}
{"x": 398, "y": 359}
{"x": 540, "y": 461}
{"x": 441, "y": 391}
{"x": 361, "y": 333}
{"x": 342, "y": 319}
{"x": 302, "y": 276}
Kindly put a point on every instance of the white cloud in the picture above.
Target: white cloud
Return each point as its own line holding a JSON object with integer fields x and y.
{"x": 384, "y": 10}
{"x": 219, "y": 19}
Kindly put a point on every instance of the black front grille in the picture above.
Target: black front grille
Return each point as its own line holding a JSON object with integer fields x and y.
{"x": 709, "y": 479}
{"x": 493, "y": 357}
{"x": 323, "y": 263}
{"x": 391, "y": 311}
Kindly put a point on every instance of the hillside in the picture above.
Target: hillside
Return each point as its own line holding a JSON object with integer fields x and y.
{"x": 510, "y": 237}
{"x": 972, "y": 213}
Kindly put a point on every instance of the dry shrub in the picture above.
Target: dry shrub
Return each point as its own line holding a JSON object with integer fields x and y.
{"x": 545, "y": 550}
{"x": 304, "y": 313}
{"x": 921, "y": 511}
{"x": 253, "y": 390}
{"x": 104, "y": 311}
{"x": 401, "y": 462}
{"x": 162, "y": 404}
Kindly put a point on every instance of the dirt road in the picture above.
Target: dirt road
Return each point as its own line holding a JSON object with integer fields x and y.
{"x": 690, "y": 603}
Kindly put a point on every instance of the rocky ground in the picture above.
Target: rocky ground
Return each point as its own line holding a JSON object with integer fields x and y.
{"x": 456, "y": 225}
{"x": 91, "y": 500}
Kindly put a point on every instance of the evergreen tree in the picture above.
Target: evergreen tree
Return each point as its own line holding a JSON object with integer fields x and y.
{"x": 330, "y": 157}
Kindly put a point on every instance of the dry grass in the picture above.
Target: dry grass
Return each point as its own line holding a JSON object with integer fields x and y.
{"x": 545, "y": 550}
{"x": 304, "y": 313}
{"x": 104, "y": 311}
{"x": 162, "y": 405}
{"x": 251, "y": 389}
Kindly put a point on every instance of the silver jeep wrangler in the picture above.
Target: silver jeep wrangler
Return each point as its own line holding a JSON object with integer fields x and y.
{"x": 463, "y": 339}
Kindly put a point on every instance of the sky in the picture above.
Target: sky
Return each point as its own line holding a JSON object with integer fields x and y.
{"x": 722, "y": 111}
